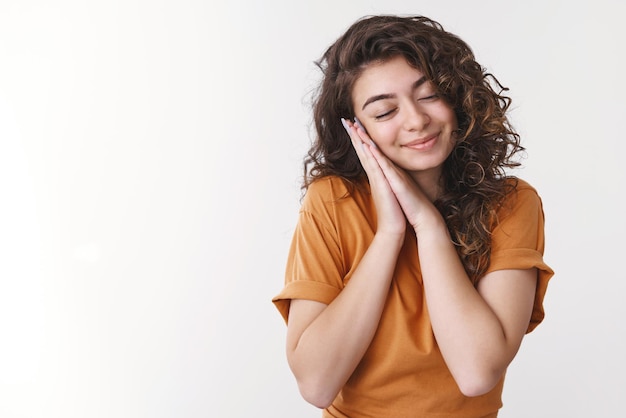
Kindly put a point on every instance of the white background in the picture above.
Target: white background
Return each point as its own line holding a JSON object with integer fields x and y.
{"x": 150, "y": 159}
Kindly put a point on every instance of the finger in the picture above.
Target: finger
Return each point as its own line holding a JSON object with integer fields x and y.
{"x": 364, "y": 152}
{"x": 382, "y": 192}
{"x": 357, "y": 128}
{"x": 386, "y": 165}
{"x": 365, "y": 137}
{"x": 350, "y": 129}
{"x": 355, "y": 138}
{"x": 360, "y": 139}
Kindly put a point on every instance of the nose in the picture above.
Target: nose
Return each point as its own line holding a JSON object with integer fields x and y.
{"x": 415, "y": 117}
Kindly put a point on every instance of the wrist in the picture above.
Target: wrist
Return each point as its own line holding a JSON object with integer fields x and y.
{"x": 390, "y": 238}
{"x": 433, "y": 226}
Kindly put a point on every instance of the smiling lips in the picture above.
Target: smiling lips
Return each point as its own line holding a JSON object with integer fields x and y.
{"x": 423, "y": 143}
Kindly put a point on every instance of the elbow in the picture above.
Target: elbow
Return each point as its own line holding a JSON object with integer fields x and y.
{"x": 317, "y": 385}
{"x": 317, "y": 394}
{"x": 478, "y": 384}
{"x": 473, "y": 389}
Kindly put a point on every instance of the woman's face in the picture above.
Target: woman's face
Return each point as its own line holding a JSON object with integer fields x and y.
{"x": 404, "y": 116}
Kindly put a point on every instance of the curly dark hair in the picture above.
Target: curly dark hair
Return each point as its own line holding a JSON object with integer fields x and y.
{"x": 474, "y": 179}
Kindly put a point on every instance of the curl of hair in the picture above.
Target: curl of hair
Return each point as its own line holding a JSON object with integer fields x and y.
{"x": 474, "y": 179}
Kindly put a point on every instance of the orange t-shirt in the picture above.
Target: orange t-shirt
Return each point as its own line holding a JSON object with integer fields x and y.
{"x": 403, "y": 373}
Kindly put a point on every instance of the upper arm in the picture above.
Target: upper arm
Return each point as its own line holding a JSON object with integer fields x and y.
{"x": 517, "y": 245}
{"x": 510, "y": 294}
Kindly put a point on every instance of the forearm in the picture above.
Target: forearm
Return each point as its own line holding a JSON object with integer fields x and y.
{"x": 331, "y": 346}
{"x": 469, "y": 334}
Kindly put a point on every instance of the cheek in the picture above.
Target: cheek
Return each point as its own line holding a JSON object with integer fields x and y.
{"x": 383, "y": 135}
{"x": 451, "y": 145}
{"x": 453, "y": 119}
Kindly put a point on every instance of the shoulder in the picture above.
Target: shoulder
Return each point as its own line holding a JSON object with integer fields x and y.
{"x": 520, "y": 185}
{"x": 521, "y": 195}
{"x": 327, "y": 186}
{"x": 330, "y": 191}
{"x": 520, "y": 218}
{"x": 340, "y": 205}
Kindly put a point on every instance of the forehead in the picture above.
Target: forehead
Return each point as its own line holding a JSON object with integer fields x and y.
{"x": 392, "y": 76}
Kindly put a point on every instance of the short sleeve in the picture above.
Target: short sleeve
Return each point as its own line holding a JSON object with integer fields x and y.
{"x": 315, "y": 268}
{"x": 518, "y": 242}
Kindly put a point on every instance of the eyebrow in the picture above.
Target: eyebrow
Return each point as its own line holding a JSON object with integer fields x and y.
{"x": 372, "y": 99}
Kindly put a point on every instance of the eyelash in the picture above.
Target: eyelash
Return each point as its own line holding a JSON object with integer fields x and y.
{"x": 431, "y": 97}
{"x": 377, "y": 117}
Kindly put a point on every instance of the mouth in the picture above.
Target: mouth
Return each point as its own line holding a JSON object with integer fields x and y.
{"x": 422, "y": 143}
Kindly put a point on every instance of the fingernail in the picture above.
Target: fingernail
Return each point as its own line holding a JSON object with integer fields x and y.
{"x": 359, "y": 124}
{"x": 345, "y": 124}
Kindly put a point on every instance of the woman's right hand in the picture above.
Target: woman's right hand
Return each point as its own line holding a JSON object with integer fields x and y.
{"x": 326, "y": 342}
{"x": 390, "y": 217}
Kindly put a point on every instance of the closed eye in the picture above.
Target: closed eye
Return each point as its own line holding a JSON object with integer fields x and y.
{"x": 431, "y": 97}
{"x": 383, "y": 115}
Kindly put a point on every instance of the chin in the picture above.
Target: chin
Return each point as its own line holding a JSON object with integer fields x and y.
{"x": 424, "y": 166}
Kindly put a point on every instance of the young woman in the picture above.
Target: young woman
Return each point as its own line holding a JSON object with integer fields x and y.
{"x": 416, "y": 267}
